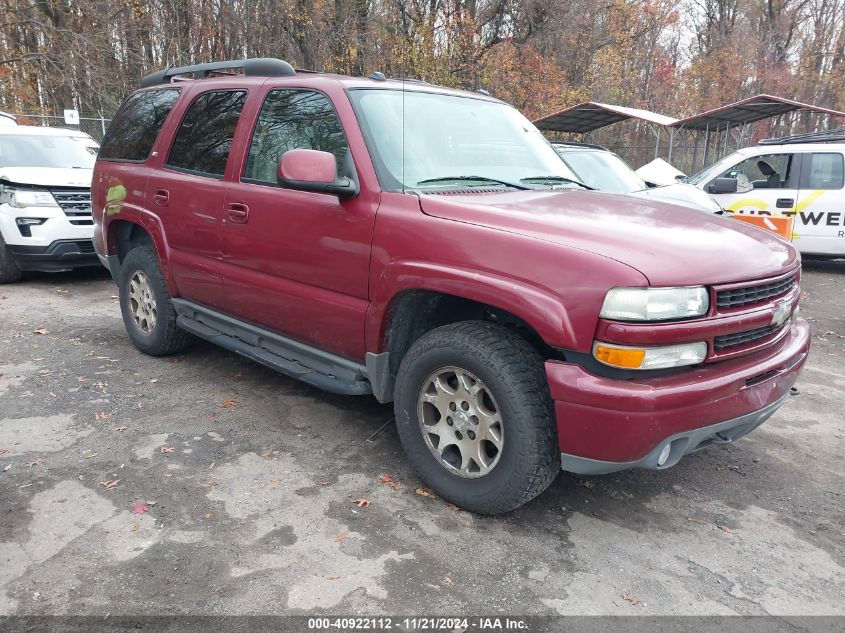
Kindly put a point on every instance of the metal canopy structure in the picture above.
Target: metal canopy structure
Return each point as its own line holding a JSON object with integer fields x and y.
{"x": 591, "y": 115}
{"x": 748, "y": 111}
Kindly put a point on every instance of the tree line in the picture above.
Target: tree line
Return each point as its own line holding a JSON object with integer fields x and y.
{"x": 678, "y": 57}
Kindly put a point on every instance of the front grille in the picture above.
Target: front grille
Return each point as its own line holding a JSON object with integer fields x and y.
{"x": 76, "y": 203}
{"x": 732, "y": 340}
{"x": 754, "y": 294}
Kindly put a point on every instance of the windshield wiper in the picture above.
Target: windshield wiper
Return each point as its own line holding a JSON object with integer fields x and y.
{"x": 505, "y": 183}
{"x": 558, "y": 179}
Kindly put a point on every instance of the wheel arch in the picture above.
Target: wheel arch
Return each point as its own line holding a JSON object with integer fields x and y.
{"x": 420, "y": 302}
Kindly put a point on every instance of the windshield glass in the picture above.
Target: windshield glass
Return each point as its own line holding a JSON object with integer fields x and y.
{"x": 454, "y": 141}
{"x": 604, "y": 171}
{"x": 714, "y": 170}
{"x": 31, "y": 150}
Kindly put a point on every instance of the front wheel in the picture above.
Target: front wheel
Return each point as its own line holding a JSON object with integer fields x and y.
{"x": 475, "y": 417}
{"x": 9, "y": 270}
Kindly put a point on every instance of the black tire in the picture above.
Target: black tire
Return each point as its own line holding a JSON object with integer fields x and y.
{"x": 9, "y": 271}
{"x": 164, "y": 337}
{"x": 513, "y": 373}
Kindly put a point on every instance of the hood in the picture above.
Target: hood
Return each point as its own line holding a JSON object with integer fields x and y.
{"x": 47, "y": 176}
{"x": 683, "y": 194}
{"x": 670, "y": 245}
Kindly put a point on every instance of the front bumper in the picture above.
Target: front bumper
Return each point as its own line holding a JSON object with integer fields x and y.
{"x": 58, "y": 256}
{"x": 606, "y": 424}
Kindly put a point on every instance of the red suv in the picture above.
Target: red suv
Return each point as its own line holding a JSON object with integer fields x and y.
{"x": 427, "y": 246}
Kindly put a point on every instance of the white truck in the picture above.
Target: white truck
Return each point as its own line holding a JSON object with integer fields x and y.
{"x": 799, "y": 177}
{"x": 45, "y": 200}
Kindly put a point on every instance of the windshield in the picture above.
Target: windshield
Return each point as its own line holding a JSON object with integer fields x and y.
{"x": 31, "y": 150}
{"x": 601, "y": 170}
{"x": 454, "y": 141}
{"x": 714, "y": 170}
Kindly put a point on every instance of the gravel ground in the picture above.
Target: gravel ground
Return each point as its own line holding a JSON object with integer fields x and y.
{"x": 249, "y": 480}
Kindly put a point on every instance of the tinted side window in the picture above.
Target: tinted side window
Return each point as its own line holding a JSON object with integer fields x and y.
{"x": 826, "y": 171}
{"x": 293, "y": 119}
{"x": 204, "y": 139}
{"x": 771, "y": 171}
{"x": 136, "y": 125}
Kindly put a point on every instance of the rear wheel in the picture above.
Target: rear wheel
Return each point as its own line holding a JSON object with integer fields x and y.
{"x": 148, "y": 314}
{"x": 475, "y": 417}
{"x": 9, "y": 271}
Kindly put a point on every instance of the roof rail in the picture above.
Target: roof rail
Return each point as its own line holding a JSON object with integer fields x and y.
{"x": 254, "y": 67}
{"x": 829, "y": 136}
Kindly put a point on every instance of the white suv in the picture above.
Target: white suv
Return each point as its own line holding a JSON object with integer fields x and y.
{"x": 45, "y": 200}
{"x": 802, "y": 177}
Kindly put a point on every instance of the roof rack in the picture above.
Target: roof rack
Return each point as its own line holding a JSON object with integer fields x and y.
{"x": 829, "y": 136}
{"x": 254, "y": 67}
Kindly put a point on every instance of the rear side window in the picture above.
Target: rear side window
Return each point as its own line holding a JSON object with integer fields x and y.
{"x": 826, "y": 171}
{"x": 293, "y": 119}
{"x": 136, "y": 125}
{"x": 204, "y": 139}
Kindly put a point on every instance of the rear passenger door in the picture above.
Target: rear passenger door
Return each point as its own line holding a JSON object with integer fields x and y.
{"x": 187, "y": 194}
{"x": 298, "y": 262}
{"x": 819, "y": 225}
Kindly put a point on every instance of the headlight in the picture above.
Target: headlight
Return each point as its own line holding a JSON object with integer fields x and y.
{"x": 23, "y": 198}
{"x": 655, "y": 304}
{"x": 649, "y": 357}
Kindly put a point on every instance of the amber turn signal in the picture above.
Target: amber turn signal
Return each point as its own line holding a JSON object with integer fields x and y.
{"x": 620, "y": 356}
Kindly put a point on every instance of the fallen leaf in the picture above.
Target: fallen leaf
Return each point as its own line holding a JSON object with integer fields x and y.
{"x": 90, "y": 455}
{"x": 167, "y": 449}
{"x": 36, "y": 462}
{"x": 61, "y": 291}
{"x": 453, "y": 506}
{"x": 211, "y": 465}
{"x": 121, "y": 428}
{"x": 207, "y": 515}
{"x": 154, "y": 380}
{"x": 332, "y": 577}
{"x": 325, "y": 483}
{"x": 725, "y": 528}
{"x": 228, "y": 404}
{"x": 266, "y": 452}
{"x": 41, "y": 330}
{"x": 102, "y": 415}
{"x": 139, "y": 507}
{"x": 388, "y": 480}
{"x": 342, "y": 536}
{"x": 109, "y": 485}
{"x": 447, "y": 580}
{"x": 361, "y": 502}
{"x": 7, "y": 468}
{"x": 134, "y": 526}
{"x": 627, "y": 595}
{"x": 3, "y": 451}
{"x": 589, "y": 485}
{"x": 423, "y": 492}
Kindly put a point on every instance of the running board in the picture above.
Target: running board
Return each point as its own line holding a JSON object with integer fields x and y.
{"x": 309, "y": 364}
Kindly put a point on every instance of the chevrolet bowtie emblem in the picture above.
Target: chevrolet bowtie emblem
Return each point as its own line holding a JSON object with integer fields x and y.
{"x": 781, "y": 314}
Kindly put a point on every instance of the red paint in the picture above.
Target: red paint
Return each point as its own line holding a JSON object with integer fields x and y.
{"x": 327, "y": 270}
{"x": 308, "y": 165}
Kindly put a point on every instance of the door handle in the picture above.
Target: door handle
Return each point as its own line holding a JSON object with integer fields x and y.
{"x": 237, "y": 213}
{"x": 161, "y": 197}
{"x": 785, "y": 203}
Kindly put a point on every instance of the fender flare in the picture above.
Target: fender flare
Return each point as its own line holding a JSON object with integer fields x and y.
{"x": 537, "y": 306}
{"x": 151, "y": 225}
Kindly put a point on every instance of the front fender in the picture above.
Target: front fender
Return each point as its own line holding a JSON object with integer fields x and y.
{"x": 537, "y": 306}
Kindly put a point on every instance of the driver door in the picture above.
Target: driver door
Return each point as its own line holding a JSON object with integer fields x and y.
{"x": 767, "y": 185}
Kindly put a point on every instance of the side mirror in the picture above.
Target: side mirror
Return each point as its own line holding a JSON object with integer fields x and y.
{"x": 722, "y": 185}
{"x": 313, "y": 170}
